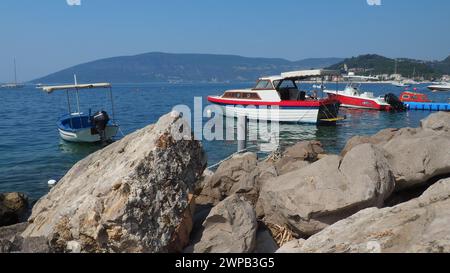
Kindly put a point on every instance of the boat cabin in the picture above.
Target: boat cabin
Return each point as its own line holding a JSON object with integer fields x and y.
{"x": 285, "y": 85}
{"x": 414, "y": 97}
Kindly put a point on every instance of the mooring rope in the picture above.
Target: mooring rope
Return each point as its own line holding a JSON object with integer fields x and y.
{"x": 231, "y": 156}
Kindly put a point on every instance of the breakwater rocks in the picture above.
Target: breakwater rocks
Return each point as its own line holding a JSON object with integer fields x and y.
{"x": 13, "y": 208}
{"x": 150, "y": 193}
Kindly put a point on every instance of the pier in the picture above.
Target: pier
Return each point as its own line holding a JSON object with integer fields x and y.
{"x": 427, "y": 106}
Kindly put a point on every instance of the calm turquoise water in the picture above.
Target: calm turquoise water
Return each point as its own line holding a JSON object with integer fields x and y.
{"x": 31, "y": 152}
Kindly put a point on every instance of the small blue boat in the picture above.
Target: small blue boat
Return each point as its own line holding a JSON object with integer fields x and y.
{"x": 81, "y": 127}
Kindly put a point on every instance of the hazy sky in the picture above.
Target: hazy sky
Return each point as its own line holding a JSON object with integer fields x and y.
{"x": 46, "y": 36}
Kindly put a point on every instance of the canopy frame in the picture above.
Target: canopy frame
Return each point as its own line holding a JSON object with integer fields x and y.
{"x": 77, "y": 87}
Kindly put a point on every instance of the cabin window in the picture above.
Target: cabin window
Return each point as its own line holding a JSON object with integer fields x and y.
{"x": 264, "y": 84}
{"x": 239, "y": 95}
{"x": 287, "y": 85}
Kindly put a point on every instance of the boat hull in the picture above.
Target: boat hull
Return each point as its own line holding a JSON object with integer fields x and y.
{"x": 87, "y": 135}
{"x": 287, "y": 111}
{"x": 439, "y": 88}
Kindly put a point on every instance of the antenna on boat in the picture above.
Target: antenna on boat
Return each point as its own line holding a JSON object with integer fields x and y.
{"x": 78, "y": 97}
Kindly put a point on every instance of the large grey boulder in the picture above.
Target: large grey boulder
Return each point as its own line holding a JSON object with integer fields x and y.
{"x": 10, "y": 239}
{"x": 13, "y": 208}
{"x": 437, "y": 122}
{"x": 418, "y": 226}
{"x": 132, "y": 196}
{"x": 415, "y": 155}
{"x": 239, "y": 174}
{"x": 417, "y": 159}
{"x": 230, "y": 227}
{"x": 331, "y": 189}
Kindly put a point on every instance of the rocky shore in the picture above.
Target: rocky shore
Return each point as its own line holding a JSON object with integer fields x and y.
{"x": 151, "y": 192}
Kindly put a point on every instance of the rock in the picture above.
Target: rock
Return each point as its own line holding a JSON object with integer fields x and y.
{"x": 293, "y": 246}
{"x": 415, "y": 160}
{"x": 132, "y": 196}
{"x": 182, "y": 233}
{"x": 9, "y": 237}
{"x": 265, "y": 242}
{"x": 415, "y": 155}
{"x": 298, "y": 156}
{"x": 381, "y": 137}
{"x": 236, "y": 175}
{"x": 418, "y": 226}
{"x": 331, "y": 189}
{"x": 437, "y": 122}
{"x": 230, "y": 227}
{"x": 13, "y": 208}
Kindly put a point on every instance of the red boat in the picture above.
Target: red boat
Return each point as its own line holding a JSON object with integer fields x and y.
{"x": 351, "y": 97}
{"x": 413, "y": 97}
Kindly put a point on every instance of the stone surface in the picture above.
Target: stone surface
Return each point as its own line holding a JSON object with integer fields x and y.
{"x": 230, "y": 227}
{"x": 416, "y": 159}
{"x": 437, "y": 122}
{"x": 293, "y": 246}
{"x": 132, "y": 196}
{"x": 420, "y": 225}
{"x": 298, "y": 156}
{"x": 331, "y": 189}
{"x": 13, "y": 208}
{"x": 236, "y": 175}
{"x": 415, "y": 155}
{"x": 10, "y": 237}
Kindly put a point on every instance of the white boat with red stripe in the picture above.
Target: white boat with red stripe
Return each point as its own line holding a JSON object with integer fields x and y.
{"x": 279, "y": 98}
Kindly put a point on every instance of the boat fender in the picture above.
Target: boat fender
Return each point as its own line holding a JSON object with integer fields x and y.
{"x": 52, "y": 182}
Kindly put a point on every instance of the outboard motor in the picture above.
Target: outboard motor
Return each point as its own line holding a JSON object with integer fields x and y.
{"x": 395, "y": 102}
{"x": 100, "y": 121}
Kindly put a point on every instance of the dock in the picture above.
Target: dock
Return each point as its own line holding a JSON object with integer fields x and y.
{"x": 427, "y": 106}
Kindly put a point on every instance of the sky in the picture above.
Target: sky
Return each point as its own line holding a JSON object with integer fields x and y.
{"x": 47, "y": 36}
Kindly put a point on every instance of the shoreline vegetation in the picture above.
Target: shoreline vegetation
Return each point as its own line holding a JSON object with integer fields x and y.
{"x": 151, "y": 193}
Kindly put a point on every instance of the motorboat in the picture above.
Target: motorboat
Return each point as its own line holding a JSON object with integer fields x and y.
{"x": 85, "y": 127}
{"x": 279, "y": 98}
{"x": 352, "y": 97}
{"x": 408, "y": 96}
{"x": 400, "y": 84}
{"x": 443, "y": 87}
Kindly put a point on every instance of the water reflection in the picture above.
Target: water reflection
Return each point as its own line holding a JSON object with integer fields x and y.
{"x": 79, "y": 149}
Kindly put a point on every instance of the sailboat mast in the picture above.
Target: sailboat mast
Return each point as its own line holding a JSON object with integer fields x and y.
{"x": 15, "y": 72}
{"x": 396, "y": 66}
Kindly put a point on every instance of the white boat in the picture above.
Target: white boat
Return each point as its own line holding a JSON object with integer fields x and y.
{"x": 440, "y": 87}
{"x": 278, "y": 98}
{"x": 85, "y": 127}
{"x": 400, "y": 84}
{"x": 351, "y": 97}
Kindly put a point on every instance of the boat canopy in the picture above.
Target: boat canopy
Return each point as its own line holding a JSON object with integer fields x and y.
{"x": 50, "y": 89}
{"x": 304, "y": 74}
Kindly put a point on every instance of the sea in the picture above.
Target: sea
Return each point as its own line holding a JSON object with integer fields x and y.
{"x": 31, "y": 152}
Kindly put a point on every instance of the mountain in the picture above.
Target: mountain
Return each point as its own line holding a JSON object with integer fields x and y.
{"x": 373, "y": 64}
{"x": 443, "y": 66}
{"x": 165, "y": 67}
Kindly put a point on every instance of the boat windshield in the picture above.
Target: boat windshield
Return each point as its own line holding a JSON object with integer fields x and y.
{"x": 264, "y": 85}
{"x": 287, "y": 84}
